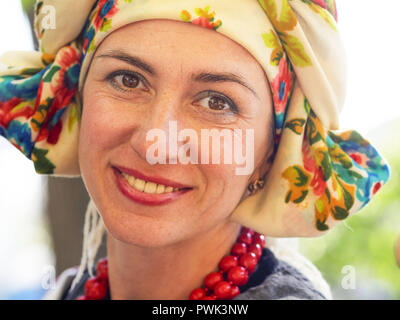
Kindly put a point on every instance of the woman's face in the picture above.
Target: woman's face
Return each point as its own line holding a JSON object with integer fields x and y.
{"x": 142, "y": 77}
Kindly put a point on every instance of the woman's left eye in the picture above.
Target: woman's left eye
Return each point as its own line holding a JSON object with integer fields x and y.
{"x": 217, "y": 102}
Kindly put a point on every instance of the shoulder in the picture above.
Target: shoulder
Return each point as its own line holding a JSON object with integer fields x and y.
{"x": 292, "y": 256}
{"x": 284, "y": 283}
{"x": 293, "y": 277}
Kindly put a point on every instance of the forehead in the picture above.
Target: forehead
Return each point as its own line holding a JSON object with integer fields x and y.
{"x": 169, "y": 43}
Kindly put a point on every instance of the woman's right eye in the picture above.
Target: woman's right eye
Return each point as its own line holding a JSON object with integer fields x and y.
{"x": 126, "y": 81}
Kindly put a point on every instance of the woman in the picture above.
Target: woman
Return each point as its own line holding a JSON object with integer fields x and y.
{"x": 114, "y": 73}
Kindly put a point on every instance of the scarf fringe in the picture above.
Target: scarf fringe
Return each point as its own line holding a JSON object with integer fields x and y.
{"x": 93, "y": 232}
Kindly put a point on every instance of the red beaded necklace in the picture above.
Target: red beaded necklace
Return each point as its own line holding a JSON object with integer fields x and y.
{"x": 234, "y": 271}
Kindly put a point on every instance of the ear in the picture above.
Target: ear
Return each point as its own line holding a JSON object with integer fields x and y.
{"x": 261, "y": 171}
{"x": 263, "y": 167}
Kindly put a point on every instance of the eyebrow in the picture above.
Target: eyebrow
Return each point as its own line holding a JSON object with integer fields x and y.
{"x": 222, "y": 77}
{"x": 204, "y": 77}
{"x": 134, "y": 61}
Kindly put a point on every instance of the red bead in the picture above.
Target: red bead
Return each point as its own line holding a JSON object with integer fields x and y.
{"x": 81, "y": 298}
{"x": 246, "y": 230}
{"x": 102, "y": 269}
{"x": 212, "y": 279}
{"x": 259, "y": 238}
{"x": 228, "y": 262}
{"x": 95, "y": 289}
{"x": 197, "y": 294}
{"x": 209, "y": 298}
{"x": 222, "y": 290}
{"x": 239, "y": 248}
{"x": 234, "y": 291}
{"x": 256, "y": 249}
{"x": 249, "y": 261}
{"x": 238, "y": 276}
{"x": 245, "y": 237}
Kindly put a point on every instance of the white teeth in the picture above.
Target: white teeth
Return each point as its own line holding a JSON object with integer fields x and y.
{"x": 150, "y": 187}
{"x": 147, "y": 186}
{"x": 160, "y": 188}
{"x": 131, "y": 180}
{"x": 139, "y": 184}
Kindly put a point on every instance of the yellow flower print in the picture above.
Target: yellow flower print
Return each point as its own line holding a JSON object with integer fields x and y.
{"x": 339, "y": 156}
{"x": 47, "y": 58}
{"x": 74, "y": 115}
{"x": 299, "y": 181}
{"x": 324, "y": 13}
{"x": 296, "y": 125}
{"x": 185, "y": 16}
{"x": 271, "y": 41}
{"x": 336, "y": 205}
{"x": 286, "y": 22}
{"x": 204, "y": 18}
{"x": 315, "y": 131}
{"x": 204, "y": 13}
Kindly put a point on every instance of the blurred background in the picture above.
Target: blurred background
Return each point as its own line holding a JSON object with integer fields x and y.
{"x": 41, "y": 218}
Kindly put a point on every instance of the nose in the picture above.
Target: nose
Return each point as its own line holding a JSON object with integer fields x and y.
{"x": 155, "y": 137}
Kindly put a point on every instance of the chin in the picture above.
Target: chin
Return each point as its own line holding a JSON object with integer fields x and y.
{"x": 144, "y": 231}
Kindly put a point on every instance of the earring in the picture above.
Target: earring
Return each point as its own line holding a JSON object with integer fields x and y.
{"x": 256, "y": 185}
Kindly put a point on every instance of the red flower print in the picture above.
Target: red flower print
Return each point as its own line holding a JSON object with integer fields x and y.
{"x": 54, "y": 133}
{"x": 376, "y": 187}
{"x": 318, "y": 183}
{"x": 203, "y": 22}
{"x": 356, "y": 157}
{"x": 63, "y": 85}
{"x": 359, "y": 158}
{"x": 320, "y": 3}
{"x": 328, "y": 5}
{"x": 107, "y": 8}
{"x": 308, "y": 160}
{"x": 281, "y": 86}
{"x": 66, "y": 58}
{"x": 6, "y": 114}
{"x": 51, "y": 132}
{"x": 204, "y": 19}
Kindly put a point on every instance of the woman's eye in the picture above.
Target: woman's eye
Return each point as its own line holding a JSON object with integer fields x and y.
{"x": 217, "y": 103}
{"x": 129, "y": 81}
{"x": 125, "y": 80}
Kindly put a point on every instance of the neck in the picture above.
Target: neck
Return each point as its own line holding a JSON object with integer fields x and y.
{"x": 167, "y": 273}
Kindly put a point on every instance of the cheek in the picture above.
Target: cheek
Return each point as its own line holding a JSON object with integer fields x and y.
{"x": 98, "y": 125}
{"x": 106, "y": 124}
{"x": 224, "y": 189}
{"x": 101, "y": 132}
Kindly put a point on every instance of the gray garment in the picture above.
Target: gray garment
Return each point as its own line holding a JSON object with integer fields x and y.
{"x": 285, "y": 283}
{"x": 273, "y": 279}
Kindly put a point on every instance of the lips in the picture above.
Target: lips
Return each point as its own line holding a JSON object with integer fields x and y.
{"x": 155, "y": 179}
{"x": 147, "y": 190}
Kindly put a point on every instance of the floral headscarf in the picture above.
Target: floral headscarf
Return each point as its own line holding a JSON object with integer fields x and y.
{"x": 318, "y": 177}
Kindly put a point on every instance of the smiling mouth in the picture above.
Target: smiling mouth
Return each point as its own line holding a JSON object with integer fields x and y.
{"x": 148, "y": 186}
{"x": 147, "y": 190}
